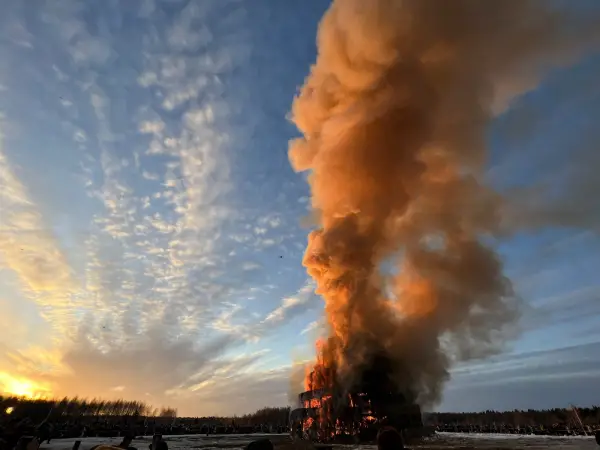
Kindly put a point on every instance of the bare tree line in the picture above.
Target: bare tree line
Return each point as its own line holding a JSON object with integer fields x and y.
{"x": 523, "y": 418}
{"x": 77, "y": 407}
{"x": 81, "y": 408}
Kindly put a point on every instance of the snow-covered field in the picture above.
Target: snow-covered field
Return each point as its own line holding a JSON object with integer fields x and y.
{"x": 439, "y": 441}
{"x": 509, "y": 441}
{"x": 227, "y": 441}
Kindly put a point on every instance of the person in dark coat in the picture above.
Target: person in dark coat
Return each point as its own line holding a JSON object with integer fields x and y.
{"x": 126, "y": 442}
{"x": 160, "y": 445}
{"x": 388, "y": 438}
{"x": 260, "y": 444}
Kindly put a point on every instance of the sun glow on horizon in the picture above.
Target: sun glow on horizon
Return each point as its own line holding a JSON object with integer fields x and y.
{"x": 22, "y": 387}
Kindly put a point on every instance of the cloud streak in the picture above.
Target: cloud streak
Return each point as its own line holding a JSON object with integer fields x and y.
{"x": 29, "y": 249}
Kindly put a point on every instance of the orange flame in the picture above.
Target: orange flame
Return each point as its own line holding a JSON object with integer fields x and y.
{"x": 321, "y": 375}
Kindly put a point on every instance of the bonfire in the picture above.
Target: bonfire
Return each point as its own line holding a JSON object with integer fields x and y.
{"x": 338, "y": 407}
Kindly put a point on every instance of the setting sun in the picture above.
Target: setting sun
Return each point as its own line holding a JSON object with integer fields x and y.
{"x": 21, "y": 387}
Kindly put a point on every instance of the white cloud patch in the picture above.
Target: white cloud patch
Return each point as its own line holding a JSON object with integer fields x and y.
{"x": 152, "y": 127}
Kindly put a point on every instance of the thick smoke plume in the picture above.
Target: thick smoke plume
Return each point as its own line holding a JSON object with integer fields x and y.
{"x": 394, "y": 115}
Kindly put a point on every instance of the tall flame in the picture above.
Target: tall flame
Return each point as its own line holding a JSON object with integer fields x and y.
{"x": 393, "y": 115}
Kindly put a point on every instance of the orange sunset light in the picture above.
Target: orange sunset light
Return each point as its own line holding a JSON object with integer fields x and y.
{"x": 22, "y": 387}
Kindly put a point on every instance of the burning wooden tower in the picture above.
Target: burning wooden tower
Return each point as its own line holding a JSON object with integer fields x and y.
{"x": 331, "y": 412}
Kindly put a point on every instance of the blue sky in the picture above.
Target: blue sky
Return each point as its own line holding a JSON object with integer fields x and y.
{"x": 151, "y": 226}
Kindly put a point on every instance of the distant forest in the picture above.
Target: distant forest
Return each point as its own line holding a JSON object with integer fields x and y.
{"x": 523, "y": 418}
{"x": 72, "y": 408}
{"x": 76, "y": 407}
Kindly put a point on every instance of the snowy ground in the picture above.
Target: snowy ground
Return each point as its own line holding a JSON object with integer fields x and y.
{"x": 227, "y": 441}
{"x": 440, "y": 441}
{"x": 509, "y": 441}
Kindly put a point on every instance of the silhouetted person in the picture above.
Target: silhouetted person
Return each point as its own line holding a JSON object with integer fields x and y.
{"x": 125, "y": 443}
{"x": 160, "y": 445}
{"x": 260, "y": 444}
{"x": 44, "y": 431}
{"x": 598, "y": 437}
{"x": 388, "y": 438}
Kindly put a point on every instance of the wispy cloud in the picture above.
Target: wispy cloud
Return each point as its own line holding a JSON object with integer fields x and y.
{"x": 252, "y": 328}
{"x": 258, "y": 389}
{"x": 303, "y": 301}
{"x": 313, "y": 326}
{"x": 29, "y": 249}
{"x": 167, "y": 274}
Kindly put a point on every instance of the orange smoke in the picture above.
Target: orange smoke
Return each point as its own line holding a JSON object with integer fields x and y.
{"x": 393, "y": 116}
